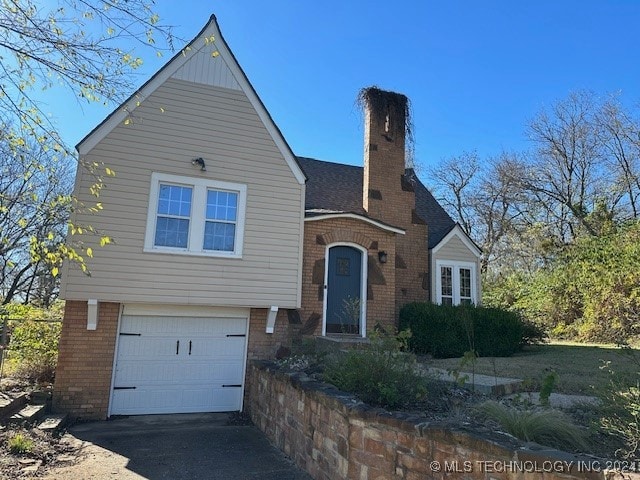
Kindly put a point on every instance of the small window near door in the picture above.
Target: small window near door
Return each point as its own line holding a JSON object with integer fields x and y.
{"x": 343, "y": 267}
{"x": 465, "y": 286}
{"x": 456, "y": 283}
{"x": 446, "y": 290}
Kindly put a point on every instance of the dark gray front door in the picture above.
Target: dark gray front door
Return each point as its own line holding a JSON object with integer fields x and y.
{"x": 344, "y": 279}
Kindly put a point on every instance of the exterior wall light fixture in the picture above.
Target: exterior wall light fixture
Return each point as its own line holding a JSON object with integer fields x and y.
{"x": 199, "y": 162}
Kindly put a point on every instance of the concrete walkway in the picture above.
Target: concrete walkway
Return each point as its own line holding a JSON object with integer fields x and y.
{"x": 510, "y": 388}
{"x": 485, "y": 384}
{"x": 176, "y": 447}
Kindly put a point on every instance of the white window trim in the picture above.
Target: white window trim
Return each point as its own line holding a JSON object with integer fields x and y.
{"x": 455, "y": 273}
{"x": 198, "y": 215}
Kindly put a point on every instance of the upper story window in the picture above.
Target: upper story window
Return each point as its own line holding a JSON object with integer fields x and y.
{"x": 174, "y": 215}
{"x": 456, "y": 283}
{"x": 195, "y": 216}
{"x": 221, "y": 218}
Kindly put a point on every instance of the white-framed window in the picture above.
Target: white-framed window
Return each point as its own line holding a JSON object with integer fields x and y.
{"x": 195, "y": 216}
{"x": 456, "y": 283}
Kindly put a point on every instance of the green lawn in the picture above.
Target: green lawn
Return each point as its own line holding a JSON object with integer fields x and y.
{"x": 577, "y": 365}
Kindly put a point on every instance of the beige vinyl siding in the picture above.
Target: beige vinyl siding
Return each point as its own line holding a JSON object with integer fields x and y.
{"x": 221, "y": 126}
{"x": 454, "y": 250}
{"x": 202, "y": 67}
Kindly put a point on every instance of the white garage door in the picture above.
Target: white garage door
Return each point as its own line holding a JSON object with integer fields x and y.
{"x": 177, "y": 364}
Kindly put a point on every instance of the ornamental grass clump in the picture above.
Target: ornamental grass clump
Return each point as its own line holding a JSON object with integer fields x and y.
{"x": 547, "y": 427}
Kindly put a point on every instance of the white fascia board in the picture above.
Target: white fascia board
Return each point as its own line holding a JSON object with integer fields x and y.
{"x": 211, "y": 29}
{"x": 457, "y": 231}
{"x": 355, "y": 216}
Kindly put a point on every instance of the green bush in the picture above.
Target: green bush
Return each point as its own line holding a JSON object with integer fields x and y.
{"x": 449, "y": 331}
{"x": 34, "y": 350}
{"x": 588, "y": 291}
{"x": 379, "y": 374}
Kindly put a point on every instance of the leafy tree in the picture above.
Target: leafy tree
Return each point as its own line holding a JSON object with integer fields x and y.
{"x": 555, "y": 222}
{"x": 82, "y": 46}
{"x": 35, "y": 205}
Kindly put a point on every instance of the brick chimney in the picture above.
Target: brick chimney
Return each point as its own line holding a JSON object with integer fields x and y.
{"x": 384, "y": 155}
{"x": 388, "y": 190}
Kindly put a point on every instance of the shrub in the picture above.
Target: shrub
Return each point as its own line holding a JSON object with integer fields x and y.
{"x": 588, "y": 291}
{"x": 34, "y": 349}
{"x": 533, "y": 333}
{"x": 379, "y": 373}
{"x": 546, "y": 427}
{"x": 449, "y": 331}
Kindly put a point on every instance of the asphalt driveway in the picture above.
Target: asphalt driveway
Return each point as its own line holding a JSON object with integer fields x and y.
{"x": 176, "y": 447}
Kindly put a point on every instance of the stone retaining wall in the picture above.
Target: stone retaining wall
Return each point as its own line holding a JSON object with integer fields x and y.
{"x": 332, "y": 436}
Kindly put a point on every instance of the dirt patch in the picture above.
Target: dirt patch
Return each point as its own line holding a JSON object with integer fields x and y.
{"x": 44, "y": 451}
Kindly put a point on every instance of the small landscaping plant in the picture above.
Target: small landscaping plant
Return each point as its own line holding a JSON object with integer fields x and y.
{"x": 548, "y": 384}
{"x": 544, "y": 426}
{"x": 620, "y": 410}
{"x": 380, "y": 373}
{"x": 446, "y": 331}
{"x": 19, "y": 444}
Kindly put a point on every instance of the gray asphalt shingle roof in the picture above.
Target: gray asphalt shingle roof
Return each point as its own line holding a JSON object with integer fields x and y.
{"x": 335, "y": 187}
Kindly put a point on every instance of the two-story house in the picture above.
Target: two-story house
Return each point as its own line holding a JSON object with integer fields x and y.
{"x": 227, "y": 247}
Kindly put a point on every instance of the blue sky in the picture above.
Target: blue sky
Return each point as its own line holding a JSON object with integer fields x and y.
{"x": 475, "y": 71}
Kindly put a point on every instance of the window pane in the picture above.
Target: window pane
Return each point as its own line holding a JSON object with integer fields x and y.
{"x": 172, "y": 232}
{"x": 447, "y": 301}
{"x": 219, "y": 236}
{"x": 465, "y": 283}
{"x": 446, "y": 282}
{"x": 222, "y": 205}
{"x": 174, "y": 200}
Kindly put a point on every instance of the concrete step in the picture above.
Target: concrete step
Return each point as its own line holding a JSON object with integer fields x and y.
{"x": 9, "y": 404}
{"x": 28, "y": 415}
{"x": 53, "y": 423}
{"x": 40, "y": 397}
{"x": 485, "y": 384}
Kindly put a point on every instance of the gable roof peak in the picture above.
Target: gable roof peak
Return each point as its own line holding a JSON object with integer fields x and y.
{"x": 211, "y": 29}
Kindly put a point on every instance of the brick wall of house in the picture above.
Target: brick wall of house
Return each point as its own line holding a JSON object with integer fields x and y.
{"x": 332, "y": 435}
{"x": 85, "y": 361}
{"x": 265, "y": 346}
{"x": 381, "y": 277}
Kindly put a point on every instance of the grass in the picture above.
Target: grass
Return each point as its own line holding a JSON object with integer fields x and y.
{"x": 577, "y": 365}
{"x": 546, "y": 427}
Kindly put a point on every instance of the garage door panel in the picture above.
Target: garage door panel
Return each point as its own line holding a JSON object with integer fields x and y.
{"x": 171, "y": 380}
{"x": 147, "y": 345}
{"x": 223, "y": 347}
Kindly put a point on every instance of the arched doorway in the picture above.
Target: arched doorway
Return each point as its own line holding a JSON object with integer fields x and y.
{"x": 345, "y": 287}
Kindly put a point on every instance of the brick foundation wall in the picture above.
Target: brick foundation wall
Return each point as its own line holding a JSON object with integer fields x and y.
{"x": 332, "y": 435}
{"x": 85, "y": 361}
{"x": 381, "y": 277}
{"x": 265, "y": 346}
